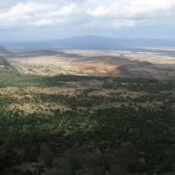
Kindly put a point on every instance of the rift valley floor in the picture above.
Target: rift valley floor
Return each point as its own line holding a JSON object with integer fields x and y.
{"x": 86, "y": 112}
{"x": 93, "y": 63}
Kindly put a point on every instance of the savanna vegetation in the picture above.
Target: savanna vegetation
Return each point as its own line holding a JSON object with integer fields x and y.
{"x": 80, "y": 125}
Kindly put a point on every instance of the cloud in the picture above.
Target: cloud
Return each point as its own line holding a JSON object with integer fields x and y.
{"x": 67, "y": 10}
{"x": 43, "y": 22}
{"x": 89, "y": 13}
{"x": 131, "y": 8}
{"x": 21, "y": 13}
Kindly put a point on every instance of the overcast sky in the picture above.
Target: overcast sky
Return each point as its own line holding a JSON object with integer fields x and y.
{"x": 23, "y": 20}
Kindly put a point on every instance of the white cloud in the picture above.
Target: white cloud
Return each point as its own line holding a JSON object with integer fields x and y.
{"x": 43, "y": 22}
{"x": 92, "y": 13}
{"x": 130, "y": 8}
{"x": 22, "y": 9}
{"x": 68, "y": 10}
{"x": 21, "y": 13}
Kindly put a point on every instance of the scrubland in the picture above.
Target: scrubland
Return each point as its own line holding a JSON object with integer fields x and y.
{"x": 77, "y": 114}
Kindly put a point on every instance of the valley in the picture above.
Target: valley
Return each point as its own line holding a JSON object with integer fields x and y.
{"x": 93, "y": 63}
{"x": 82, "y": 112}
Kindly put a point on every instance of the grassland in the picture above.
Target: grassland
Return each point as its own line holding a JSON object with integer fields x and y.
{"x": 93, "y": 63}
{"x": 155, "y": 58}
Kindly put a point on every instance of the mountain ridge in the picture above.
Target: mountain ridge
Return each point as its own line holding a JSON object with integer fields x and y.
{"x": 97, "y": 42}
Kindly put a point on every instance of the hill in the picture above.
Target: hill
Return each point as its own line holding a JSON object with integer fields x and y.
{"x": 98, "y": 42}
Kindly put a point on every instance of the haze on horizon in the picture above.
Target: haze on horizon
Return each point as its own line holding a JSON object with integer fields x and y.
{"x": 33, "y": 20}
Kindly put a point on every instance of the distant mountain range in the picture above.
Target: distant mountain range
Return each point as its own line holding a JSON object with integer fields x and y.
{"x": 97, "y": 42}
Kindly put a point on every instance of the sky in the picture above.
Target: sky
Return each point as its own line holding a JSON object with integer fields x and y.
{"x": 40, "y": 20}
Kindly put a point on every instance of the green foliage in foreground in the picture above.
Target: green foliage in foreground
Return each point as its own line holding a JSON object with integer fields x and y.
{"x": 8, "y": 78}
{"x": 112, "y": 141}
